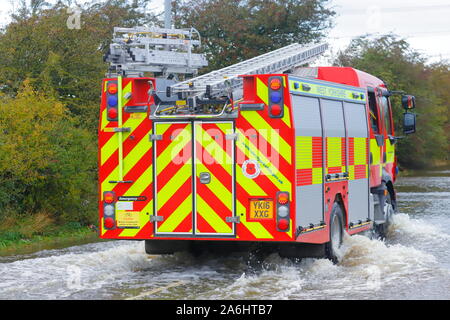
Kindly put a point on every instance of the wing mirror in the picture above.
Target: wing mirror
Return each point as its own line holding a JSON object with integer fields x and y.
{"x": 409, "y": 123}
{"x": 408, "y": 102}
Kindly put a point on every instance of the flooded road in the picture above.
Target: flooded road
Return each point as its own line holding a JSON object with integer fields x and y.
{"x": 413, "y": 263}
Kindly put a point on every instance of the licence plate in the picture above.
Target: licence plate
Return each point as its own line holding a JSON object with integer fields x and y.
{"x": 127, "y": 219}
{"x": 261, "y": 209}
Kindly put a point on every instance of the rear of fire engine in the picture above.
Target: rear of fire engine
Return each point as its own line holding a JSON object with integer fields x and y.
{"x": 261, "y": 154}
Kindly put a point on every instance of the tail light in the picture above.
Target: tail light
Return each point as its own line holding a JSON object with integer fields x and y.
{"x": 109, "y": 197}
{"x": 276, "y": 97}
{"x": 275, "y": 84}
{"x": 283, "y": 211}
{"x": 112, "y": 99}
{"x": 109, "y": 210}
{"x": 113, "y": 88}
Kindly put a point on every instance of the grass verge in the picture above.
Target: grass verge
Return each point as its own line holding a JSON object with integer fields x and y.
{"x": 24, "y": 236}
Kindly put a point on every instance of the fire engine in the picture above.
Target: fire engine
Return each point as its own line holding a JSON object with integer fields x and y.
{"x": 262, "y": 154}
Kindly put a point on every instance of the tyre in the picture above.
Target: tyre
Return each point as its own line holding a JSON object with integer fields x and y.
{"x": 332, "y": 248}
{"x": 388, "y": 212}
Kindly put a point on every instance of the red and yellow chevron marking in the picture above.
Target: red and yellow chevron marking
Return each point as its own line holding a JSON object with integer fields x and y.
{"x": 309, "y": 160}
{"x": 269, "y": 142}
{"x": 214, "y": 201}
{"x": 136, "y": 164}
{"x": 357, "y": 150}
{"x": 174, "y": 177}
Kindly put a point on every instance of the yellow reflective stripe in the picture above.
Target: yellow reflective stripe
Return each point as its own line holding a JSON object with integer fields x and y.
{"x": 249, "y": 185}
{"x": 262, "y": 91}
{"x": 317, "y": 175}
{"x": 174, "y": 184}
{"x": 334, "y": 152}
{"x": 102, "y": 228}
{"x": 104, "y": 119}
{"x": 304, "y": 152}
{"x": 390, "y": 151}
{"x": 211, "y": 217}
{"x": 177, "y": 217}
{"x": 360, "y": 151}
{"x": 270, "y": 134}
{"x": 351, "y": 172}
{"x": 112, "y": 144}
{"x": 139, "y": 186}
{"x": 136, "y": 153}
{"x": 267, "y": 168}
{"x": 375, "y": 150}
{"x": 173, "y": 149}
{"x": 108, "y": 149}
{"x": 128, "y": 89}
{"x": 287, "y": 116}
{"x": 217, "y": 187}
{"x": 213, "y": 147}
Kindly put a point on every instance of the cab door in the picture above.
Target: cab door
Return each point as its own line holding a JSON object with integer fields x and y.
{"x": 376, "y": 137}
{"x": 388, "y": 153}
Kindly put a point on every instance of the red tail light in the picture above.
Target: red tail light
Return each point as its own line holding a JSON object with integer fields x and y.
{"x": 276, "y": 110}
{"x": 109, "y": 223}
{"x": 112, "y": 113}
{"x": 283, "y": 224}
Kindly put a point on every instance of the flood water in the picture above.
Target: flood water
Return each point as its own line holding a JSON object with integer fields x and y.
{"x": 413, "y": 263}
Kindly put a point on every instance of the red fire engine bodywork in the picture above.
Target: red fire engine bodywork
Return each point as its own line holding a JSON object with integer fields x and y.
{"x": 131, "y": 167}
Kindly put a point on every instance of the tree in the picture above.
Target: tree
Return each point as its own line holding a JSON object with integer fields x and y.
{"x": 47, "y": 164}
{"x": 68, "y": 63}
{"x": 403, "y": 69}
{"x": 235, "y": 30}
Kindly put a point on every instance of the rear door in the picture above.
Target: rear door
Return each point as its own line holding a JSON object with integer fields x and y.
{"x": 194, "y": 178}
{"x": 173, "y": 178}
{"x": 214, "y": 173}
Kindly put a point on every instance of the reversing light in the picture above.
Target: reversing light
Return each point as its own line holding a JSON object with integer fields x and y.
{"x": 108, "y": 210}
{"x": 275, "y": 84}
{"x": 283, "y": 212}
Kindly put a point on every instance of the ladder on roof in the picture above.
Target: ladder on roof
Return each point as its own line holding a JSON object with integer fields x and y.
{"x": 227, "y": 79}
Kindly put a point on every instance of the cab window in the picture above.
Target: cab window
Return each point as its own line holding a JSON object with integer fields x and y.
{"x": 373, "y": 113}
{"x": 385, "y": 110}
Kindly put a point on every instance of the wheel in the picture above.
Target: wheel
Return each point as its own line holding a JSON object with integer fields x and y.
{"x": 336, "y": 233}
{"x": 388, "y": 212}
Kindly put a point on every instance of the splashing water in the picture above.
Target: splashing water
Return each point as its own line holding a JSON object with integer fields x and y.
{"x": 413, "y": 263}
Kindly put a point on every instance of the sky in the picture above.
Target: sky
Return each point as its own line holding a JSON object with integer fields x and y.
{"x": 424, "y": 24}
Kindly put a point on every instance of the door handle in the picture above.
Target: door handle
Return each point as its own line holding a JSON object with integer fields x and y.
{"x": 205, "y": 177}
